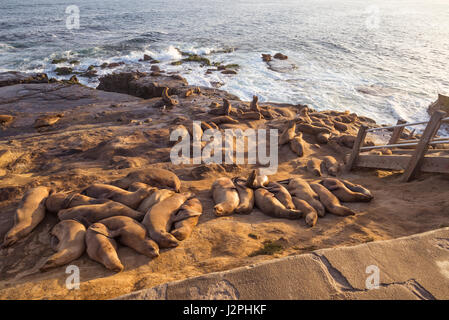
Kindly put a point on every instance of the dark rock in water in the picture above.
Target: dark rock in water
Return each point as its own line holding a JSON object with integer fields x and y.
{"x": 63, "y": 71}
{"x": 12, "y": 77}
{"x": 111, "y": 65}
{"x": 140, "y": 84}
{"x": 147, "y": 57}
{"x": 229, "y": 72}
{"x": 155, "y": 68}
{"x": 266, "y": 57}
{"x": 280, "y": 56}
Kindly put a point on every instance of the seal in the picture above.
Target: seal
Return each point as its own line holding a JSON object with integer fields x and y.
{"x": 254, "y": 106}
{"x": 92, "y": 213}
{"x": 155, "y": 177}
{"x": 346, "y": 191}
{"x": 132, "y": 234}
{"x": 330, "y": 201}
{"x": 105, "y": 191}
{"x": 155, "y": 197}
{"x": 282, "y": 194}
{"x": 297, "y": 145}
{"x": 183, "y": 228}
{"x": 314, "y": 167}
{"x": 225, "y": 196}
{"x": 139, "y": 185}
{"x": 300, "y": 189}
{"x": 309, "y": 213}
{"x": 271, "y": 206}
{"x": 288, "y": 134}
{"x": 167, "y": 99}
{"x": 255, "y": 180}
{"x": 323, "y": 137}
{"x": 101, "y": 247}
{"x": 330, "y": 165}
{"x": 29, "y": 214}
{"x": 357, "y": 188}
{"x": 160, "y": 218}
{"x": 59, "y": 201}
{"x": 68, "y": 240}
{"x": 246, "y": 196}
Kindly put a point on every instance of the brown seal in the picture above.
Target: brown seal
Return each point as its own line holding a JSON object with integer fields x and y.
{"x": 323, "y": 137}
{"x": 92, "y": 213}
{"x": 101, "y": 247}
{"x": 255, "y": 180}
{"x": 309, "y": 213}
{"x": 156, "y": 197}
{"x": 301, "y": 189}
{"x": 59, "y": 201}
{"x": 30, "y": 213}
{"x": 288, "y": 134}
{"x": 128, "y": 198}
{"x": 132, "y": 234}
{"x": 282, "y": 194}
{"x": 246, "y": 196}
{"x": 153, "y": 176}
{"x": 314, "y": 167}
{"x": 271, "y": 206}
{"x": 160, "y": 218}
{"x": 353, "y": 193}
{"x": 183, "y": 228}
{"x": 254, "y": 106}
{"x": 68, "y": 240}
{"x": 225, "y": 196}
{"x": 139, "y": 185}
{"x": 330, "y": 201}
{"x": 297, "y": 145}
{"x": 330, "y": 165}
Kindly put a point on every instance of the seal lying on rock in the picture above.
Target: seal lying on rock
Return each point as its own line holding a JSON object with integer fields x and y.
{"x": 300, "y": 189}
{"x": 255, "y": 180}
{"x": 309, "y": 213}
{"x": 314, "y": 167}
{"x": 153, "y": 176}
{"x": 89, "y": 214}
{"x": 271, "y": 206}
{"x": 159, "y": 220}
{"x": 246, "y": 197}
{"x": 105, "y": 191}
{"x": 156, "y": 197}
{"x": 183, "y": 228}
{"x": 297, "y": 145}
{"x": 68, "y": 240}
{"x": 330, "y": 201}
{"x": 288, "y": 134}
{"x": 282, "y": 194}
{"x": 139, "y": 185}
{"x": 132, "y": 234}
{"x": 330, "y": 165}
{"x": 30, "y": 213}
{"x": 345, "y": 194}
{"x": 101, "y": 247}
{"x": 59, "y": 201}
{"x": 225, "y": 196}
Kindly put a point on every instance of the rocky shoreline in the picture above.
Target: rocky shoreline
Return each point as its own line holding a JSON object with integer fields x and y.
{"x": 67, "y": 136}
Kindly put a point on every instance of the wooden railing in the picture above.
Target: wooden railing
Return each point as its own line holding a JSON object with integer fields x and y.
{"x": 411, "y": 163}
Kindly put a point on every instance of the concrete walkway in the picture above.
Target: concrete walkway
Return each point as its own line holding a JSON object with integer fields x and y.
{"x": 414, "y": 267}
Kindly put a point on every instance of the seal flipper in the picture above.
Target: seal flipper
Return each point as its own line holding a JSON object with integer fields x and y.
{"x": 184, "y": 215}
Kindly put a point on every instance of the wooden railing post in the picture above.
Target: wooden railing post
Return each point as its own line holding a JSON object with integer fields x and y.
{"x": 358, "y": 143}
{"x": 423, "y": 145}
{"x": 397, "y": 132}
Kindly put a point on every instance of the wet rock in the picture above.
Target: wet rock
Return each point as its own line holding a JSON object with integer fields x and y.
{"x": 266, "y": 57}
{"x": 280, "y": 56}
{"x": 229, "y": 72}
{"x": 140, "y": 84}
{"x": 12, "y": 77}
{"x": 63, "y": 71}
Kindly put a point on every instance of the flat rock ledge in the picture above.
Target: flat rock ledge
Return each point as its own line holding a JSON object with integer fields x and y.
{"x": 411, "y": 268}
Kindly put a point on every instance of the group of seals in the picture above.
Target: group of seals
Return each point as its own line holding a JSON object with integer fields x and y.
{"x": 293, "y": 198}
{"x": 143, "y": 217}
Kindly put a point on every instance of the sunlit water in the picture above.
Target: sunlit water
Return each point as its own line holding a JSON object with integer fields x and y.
{"x": 386, "y": 59}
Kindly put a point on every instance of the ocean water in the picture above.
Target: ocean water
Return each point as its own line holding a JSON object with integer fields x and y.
{"x": 386, "y": 59}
